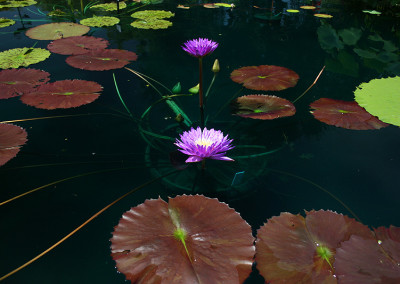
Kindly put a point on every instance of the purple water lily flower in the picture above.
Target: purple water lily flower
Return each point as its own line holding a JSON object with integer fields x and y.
{"x": 200, "y": 145}
{"x": 199, "y": 47}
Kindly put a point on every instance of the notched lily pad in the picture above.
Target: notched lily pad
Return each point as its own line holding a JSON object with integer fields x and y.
{"x": 344, "y": 114}
{"x": 262, "y": 107}
{"x": 25, "y": 56}
{"x": 326, "y": 16}
{"x": 4, "y": 22}
{"x": 109, "y": 7}
{"x": 100, "y": 21}
{"x": 12, "y": 137}
{"x": 55, "y": 31}
{"x": 153, "y": 14}
{"x": 16, "y": 3}
{"x": 154, "y": 24}
{"x": 77, "y": 45}
{"x": 16, "y": 82}
{"x": 63, "y": 94}
{"x": 190, "y": 239}
{"x": 102, "y": 59}
{"x": 265, "y": 77}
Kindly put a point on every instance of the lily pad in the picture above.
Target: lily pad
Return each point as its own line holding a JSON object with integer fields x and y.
{"x": 292, "y": 11}
{"x": 55, "y": 31}
{"x": 265, "y": 77}
{"x": 190, "y": 239}
{"x": 63, "y": 94}
{"x": 262, "y": 107}
{"x": 226, "y": 5}
{"x": 100, "y": 21}
{"x": 344, "y": 114}
{"x": 16, "y": 3}
{"x": 370, "y": 261}
{"x": 25, "y": 56}
{"x": 12, "y": 137}
{"x": 308, "y": 7}
{"x": 75, "y": 45}
{"x": 151, "y": 24}
{"x": 15, "y": 82}
{"x": 381, "y": 97}
{"x": 4, "y": 22}
{"x": 328, "y": 38}
{"x": 102, "y": 59}
{"x": 325, "y": 16}
{"x": 292, "y": 249}
{"x": 112, "y": 6}
{"x": 152, "y": 14}
{"x": 372, "y": 12}
{"x": 350, "y": 36}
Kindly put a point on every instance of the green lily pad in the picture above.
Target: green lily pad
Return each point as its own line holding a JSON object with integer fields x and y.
{"x": 151, "y": 24}
{"x": 17, "y": 3}
{"x": 372, "y": 12}
{"x": 55, "y": 31}
{"x": 328, "y": 38}
{"x": 365, "y": 53}
{"x": 17, "y": 57}
{"x": 350, "y": 36}
{"x": 381, "y": 98}
{"x": 4, "y": 22}
{"x": 152, "y": 14}
{"x": 223, "y": 5}
{"x": 100, "y": 21}
{"x": 109, "y": 6}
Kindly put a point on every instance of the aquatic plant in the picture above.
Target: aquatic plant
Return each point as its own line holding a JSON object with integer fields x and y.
{"x": 205, "y": 143}
{"x": 54, "y": 31}
{"x": 12, "y": 137}
{"x": 100, "y": 21}
{"x": 4, "y": 22}
{"x": 17, "y": 57}
{"x": 77, "y": 45}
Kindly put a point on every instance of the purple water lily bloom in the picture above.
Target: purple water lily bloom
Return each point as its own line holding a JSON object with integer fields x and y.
{"x": 199, "y": 47}
{"x": 200, "y": 145}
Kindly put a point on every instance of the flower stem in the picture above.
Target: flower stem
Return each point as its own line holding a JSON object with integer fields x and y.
{"x": 201, "y": 104}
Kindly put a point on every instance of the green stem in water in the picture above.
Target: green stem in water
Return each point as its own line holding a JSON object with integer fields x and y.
{"x": 120, "y": 98}
{"x": 201, "y": 104}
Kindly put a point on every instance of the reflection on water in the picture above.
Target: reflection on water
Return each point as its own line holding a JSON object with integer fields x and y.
{"x": 102, "y": 152}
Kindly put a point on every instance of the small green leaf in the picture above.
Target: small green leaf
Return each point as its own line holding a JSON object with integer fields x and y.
{"x": 177, "y": 88}
{"x": 194, "y": 90}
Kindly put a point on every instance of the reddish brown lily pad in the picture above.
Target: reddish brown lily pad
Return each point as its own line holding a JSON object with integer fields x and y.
{"x": 262, "y": 107}
{"x": 12, "y": 137}
{"x": 55, "y": 31}
{"x": 15, "y": 82}
{"x": 265, "y": 77}
{"x": 191, "y": 239}
{"x": 370, "y": 261}
{"x": 102, "y": 59}
{"x": 63, "y": 94}
{"x": 76, "y": 45}
{"x": 344, "y": 114}
{"x": 292, "y": 249}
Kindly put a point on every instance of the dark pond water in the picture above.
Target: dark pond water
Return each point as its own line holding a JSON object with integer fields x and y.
{"x": 96, "y": 153}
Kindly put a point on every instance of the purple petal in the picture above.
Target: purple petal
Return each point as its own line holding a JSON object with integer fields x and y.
{"x": 193, "y": 159}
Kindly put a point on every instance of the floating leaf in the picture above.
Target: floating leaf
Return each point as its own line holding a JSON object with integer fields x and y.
{"x": 344, "y": 114}
{"x": 4, "y": 22}
{"x": 182, "y": 7}
{"x": 292, "y": 249}
{"x": 152, "y": 14}
{"x": 328, "y": 37}
{"x": 191, "y": 239}
{"x": 365, "y": 53}
{"x": 381, "y": 97}
{"x": 350, "y": 36}
{"x": 100, "y": 21}
{"x": 151, "y": 24}
{"x": 17, "y": 57}
{"x": 15, "y": 82}
{"x": 370, "y": 261}
{"x": 54, "y": 31}
{"x": 265, "y": 77}
{"x": 326, "y": 16}
{"x": 262, "y": 107}
{"x": 292, "y": 11}
{"x": 109, "y": 6}
{"x": 307, "y": 7}
{"x": 12, "y": 137}
{"x": 102, "y": 59}
{"x": 63, "y": 94}
{"x": 16, "y": 3}
{"x": 75, "y": 45}
{"x": 226, "y": 5}
{"x": 210, "y": 6}
{"x": 372, "y": 12}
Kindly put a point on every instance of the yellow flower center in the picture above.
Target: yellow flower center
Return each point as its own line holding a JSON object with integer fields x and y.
{"x": 204, "y": 142}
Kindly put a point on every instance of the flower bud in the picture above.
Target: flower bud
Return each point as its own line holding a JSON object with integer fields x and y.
{"x": 215, "y": 67}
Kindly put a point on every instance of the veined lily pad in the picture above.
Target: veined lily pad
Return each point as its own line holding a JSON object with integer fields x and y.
{"x": 6, "y": 22}
{"x": 292, "y": 249}
{"x": 102, "y": 59}
{"x": 63, "y": 94}
{"x": 112, "y": 6}
{"x": 265, "y": 77}
{"x": 12, "y": 137}
{"x": 76, "y": 45}
{"x": 15, "y": 82}
{"x": 326, "y": 16}
{"x": 100, "y": 21}
{"x": 226, "y": 5}
{"x": 381, "y": 97}
{"x": 190, "y": 239}
{"x": 152, "y": 14}
{"x": 16, "y": 3}
{"x": 344, "y": 114}
{"x": 25, "y": 56}
{"x": 262, "y": 107}
{"x": 54, "y": 31}
{"x": 153, "y": 24}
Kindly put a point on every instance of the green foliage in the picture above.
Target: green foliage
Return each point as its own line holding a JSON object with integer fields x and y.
{"x": 152, "y": 14}
{"x": 17, "y": 57}
{"x": 6, "y": 22}
{"x": 16, "y": 3}
{"x": 350, "y": 36}
{"x": 100, "y": 21}
{"x": 328, "y": 38}
{"x": 109, "y": 6}
{"x": 154, "y": 24}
